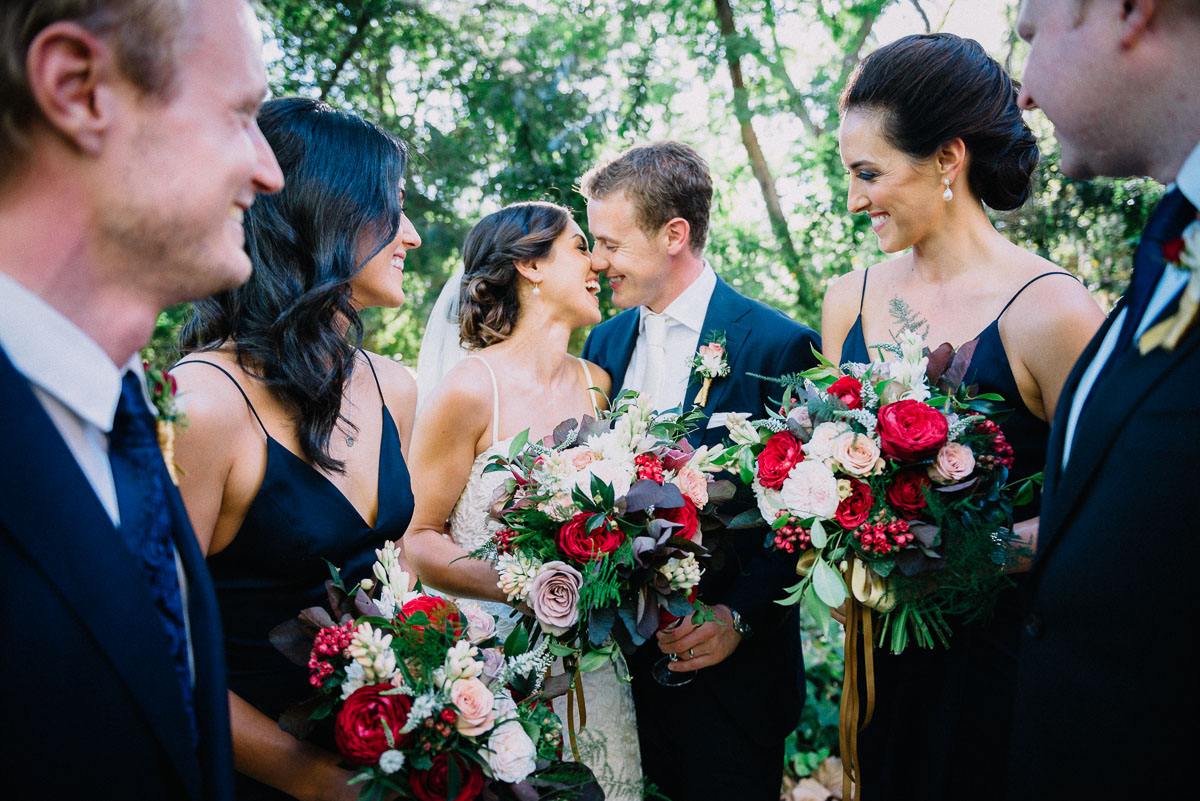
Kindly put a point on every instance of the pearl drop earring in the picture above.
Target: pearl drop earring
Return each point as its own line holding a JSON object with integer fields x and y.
{"x": 948, "y": 195}
{"x": 537, "y": 290}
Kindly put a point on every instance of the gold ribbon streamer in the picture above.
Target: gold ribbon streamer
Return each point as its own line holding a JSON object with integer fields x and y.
{"x": 853, "y": 715}
{"x": 577, "y": 683}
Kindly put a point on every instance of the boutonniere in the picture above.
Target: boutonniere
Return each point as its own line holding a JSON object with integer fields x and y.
{"x": 162, "y": 387}
{"x": 1184, "y": 253}
{"x": 710, "y": 362}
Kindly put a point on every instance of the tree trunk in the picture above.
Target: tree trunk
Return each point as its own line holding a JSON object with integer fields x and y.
{"x": 758, "y": 163}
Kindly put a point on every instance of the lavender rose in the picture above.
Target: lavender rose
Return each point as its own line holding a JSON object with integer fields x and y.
{"x": 554, "y": 597}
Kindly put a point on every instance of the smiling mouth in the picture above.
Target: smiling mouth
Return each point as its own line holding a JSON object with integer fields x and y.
{"x": 592, "y": 286}
{"x": 877, "y": 221}
{"x": 398, "y": 263}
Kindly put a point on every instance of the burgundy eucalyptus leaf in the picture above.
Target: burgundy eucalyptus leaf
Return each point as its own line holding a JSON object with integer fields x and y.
{"x": 294, "y": 640}
{"x": 563, "y": 430}
{"x": 962, "y": 485}
{"x": 939, "y": 361}
{"x": 957, "y": 370}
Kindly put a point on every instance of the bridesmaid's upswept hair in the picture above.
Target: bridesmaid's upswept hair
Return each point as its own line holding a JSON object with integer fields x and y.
{"x": 931, "y": 88}
{"x": 488, "y": 301}
{"x": 340, "y": 205}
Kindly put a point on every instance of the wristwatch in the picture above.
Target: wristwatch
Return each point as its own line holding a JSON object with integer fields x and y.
{"x": 739, "y": 625}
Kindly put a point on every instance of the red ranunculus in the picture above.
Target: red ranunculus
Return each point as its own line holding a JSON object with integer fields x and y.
{"x": 855, "y": 508}
{"x": 911, "y": 430}
{"x": 433, "y": 784}
{"x": 358, "y": 729}
{"x": 443, "y": 615}
{"x": 906, "y": 493}
{"x": 780, "y": 455}
{"x": 584, "y": 546}
{"x": 684, "y": 515}
{"x": 1173, "y": 250}
{"x": 848, "y": 390}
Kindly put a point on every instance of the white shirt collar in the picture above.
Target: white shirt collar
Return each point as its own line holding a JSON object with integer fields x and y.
{"x": 55, "y": 355}
{"x": 1188, "y": 179}
{"x": 691, "y": 306}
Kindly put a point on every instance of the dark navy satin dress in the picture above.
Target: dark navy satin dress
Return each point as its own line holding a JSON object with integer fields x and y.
{"x": 942, "y": 716}
{"x": 276, "y": 566}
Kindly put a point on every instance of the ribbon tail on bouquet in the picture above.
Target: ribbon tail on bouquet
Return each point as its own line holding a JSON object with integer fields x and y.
{"x": 854, "y": 714}
{"x": 574, "y": 697}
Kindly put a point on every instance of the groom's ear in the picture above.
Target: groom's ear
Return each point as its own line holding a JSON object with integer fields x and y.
{"x": 678, "y": 232}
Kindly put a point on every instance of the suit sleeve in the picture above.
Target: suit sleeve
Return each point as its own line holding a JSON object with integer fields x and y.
{"x": 768, "y": 571}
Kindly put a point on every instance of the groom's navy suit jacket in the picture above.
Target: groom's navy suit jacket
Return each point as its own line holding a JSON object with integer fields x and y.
{"x": 89, "y": 695}
{"x": 762, "y": 682}
{"x": 1107, "y": 671}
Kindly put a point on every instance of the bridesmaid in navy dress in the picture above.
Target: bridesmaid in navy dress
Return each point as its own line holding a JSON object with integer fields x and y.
{"x": 293, "y": 454}
{"x": 930, "y": 133}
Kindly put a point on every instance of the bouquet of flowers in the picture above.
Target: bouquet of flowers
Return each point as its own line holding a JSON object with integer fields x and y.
{"x": 423, "y": 698}
{"x": 891, "y": 477}
{"x": 601, "y": 535}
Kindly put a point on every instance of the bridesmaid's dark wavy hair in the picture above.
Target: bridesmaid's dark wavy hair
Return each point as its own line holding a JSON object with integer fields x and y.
{"x": 488, "y": 302}
{"x": 340, "y": 205}
{"x": 931, "y": 88}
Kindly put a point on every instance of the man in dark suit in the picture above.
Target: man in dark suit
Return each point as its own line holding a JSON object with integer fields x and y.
{"x": 128, "y": 152}
{"x": 721, "y": 735}
{"x": 1106, "y": 682}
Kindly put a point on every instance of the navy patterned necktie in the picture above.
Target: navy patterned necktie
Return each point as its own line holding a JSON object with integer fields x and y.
{"x": 139, "y": 475}
{"x": 1170, "y": 217}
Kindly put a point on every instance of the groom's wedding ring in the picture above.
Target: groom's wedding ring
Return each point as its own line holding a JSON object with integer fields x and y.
{"x": 691, "y": 654}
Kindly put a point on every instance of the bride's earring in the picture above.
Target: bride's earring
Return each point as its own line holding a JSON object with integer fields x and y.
{"x": 537, "y": 290}
{"x": 948, "y": 195}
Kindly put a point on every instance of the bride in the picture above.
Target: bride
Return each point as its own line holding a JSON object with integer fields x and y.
{"x": 528, "y": 283}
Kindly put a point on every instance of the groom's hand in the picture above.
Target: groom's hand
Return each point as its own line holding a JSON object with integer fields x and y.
{"x": 701, "y": 646}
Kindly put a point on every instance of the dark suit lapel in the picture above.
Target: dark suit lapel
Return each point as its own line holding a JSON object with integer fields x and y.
{"x": 620, "y": 346}
{"x": 726, "y": 308}
{"x": 1118, "y": 396}
{"x": 52, "y": 512}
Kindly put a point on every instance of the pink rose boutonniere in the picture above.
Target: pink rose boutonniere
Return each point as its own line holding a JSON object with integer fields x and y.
{"x": 162, "y": 387}
{"x": 710, "y": 362}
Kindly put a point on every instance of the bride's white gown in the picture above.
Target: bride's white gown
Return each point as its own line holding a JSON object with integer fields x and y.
{"x": 609, "y": 744}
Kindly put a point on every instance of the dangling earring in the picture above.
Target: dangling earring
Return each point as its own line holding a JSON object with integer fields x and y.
{"x": 537, "y": 290}
{"x": 948, "y": 195}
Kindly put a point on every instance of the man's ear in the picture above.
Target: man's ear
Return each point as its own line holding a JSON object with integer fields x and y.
{"x": 678, "y": 231}
{"x": 70, "y": 71}
{"x": 1136, "y": 17}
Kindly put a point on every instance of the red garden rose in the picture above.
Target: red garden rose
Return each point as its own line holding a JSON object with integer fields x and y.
{"x": 443, "y": 615}
{"x": 584, "y": 546}
{"x": 780, "y": 455}
{"x": 684, "y": 515}
{"x": 848, "y": 390}
{"x": 855, "y": 508}
{"x": 433, "y": 784}
{"x": 911, "y": 430}
{"x": 906, "y": 493}
{"x": 358, "y": 729}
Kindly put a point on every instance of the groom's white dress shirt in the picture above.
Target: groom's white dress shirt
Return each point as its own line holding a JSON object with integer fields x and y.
{"x": 666, "y": 374}
{"x": 1173, "y": 280}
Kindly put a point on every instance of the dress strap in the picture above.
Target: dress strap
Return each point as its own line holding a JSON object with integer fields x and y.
{"x": 1027, "y": 283}
{"x": 587, "y": 375}
{"x": 374, "y": 375}
{"x": 235, "y": 383}
{"x": 863, "y": 296}
{"x": 495, "y": 399}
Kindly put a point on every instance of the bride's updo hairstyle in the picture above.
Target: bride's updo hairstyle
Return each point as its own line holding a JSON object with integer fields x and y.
{"x": 488, "y": 301}
{"x": 293, "y": 324}
{"x": 931, "y": 88}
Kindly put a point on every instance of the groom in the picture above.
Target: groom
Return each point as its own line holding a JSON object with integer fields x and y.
{"x": 721, "y": 736}
{"x": 128, "y": 152}
{"x": 1106, "y": 685}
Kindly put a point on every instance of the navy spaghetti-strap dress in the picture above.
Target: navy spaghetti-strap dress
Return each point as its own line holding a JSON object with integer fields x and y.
{"x": 940, "y": 731}
{"x": 276, "y": 566}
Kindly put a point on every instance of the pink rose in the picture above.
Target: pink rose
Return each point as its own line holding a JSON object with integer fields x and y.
{"x": 475, "y": 703}
{"x": 554, "y": 597}
{"x": 694, "y": 485}
{"x": 954, "y": 462}
{"x": 579, "y": 457}
{"x": 857, "y": 454}
{"x": 480, "y": 625}
{"x": 493, "y": 662}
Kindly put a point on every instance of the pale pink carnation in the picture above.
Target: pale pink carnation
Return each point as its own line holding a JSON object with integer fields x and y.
{"x": 820, "y": 445}
{"x": 475, "y": 704}
{"x": 578, "y": 457}
{"x": 693, "y": 484}
{"x": 857, "y": 454}
{"x": 554, "y": 597}
{"x": 810, "y": 490}
{"x": 954, "y": 462}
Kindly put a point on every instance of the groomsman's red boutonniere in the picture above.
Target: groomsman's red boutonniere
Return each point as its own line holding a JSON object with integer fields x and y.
{"x": 710, "y": 362}
{"x": 1184, "y": 253}
{"x": 162, "y": 387}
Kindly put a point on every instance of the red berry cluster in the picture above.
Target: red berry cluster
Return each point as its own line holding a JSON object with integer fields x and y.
{"x": 1002, "y": 452}
{"x": 504, "y": 540}
{"x": 883, "y": 534}
{"x": 442, "y": 726}
{"x": 330, "y": 641}
{"x": 791, "y": 536}
{"x": 649, "y": 466}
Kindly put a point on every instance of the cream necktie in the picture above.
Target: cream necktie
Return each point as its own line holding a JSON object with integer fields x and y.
{"x": 656, "y": 358}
